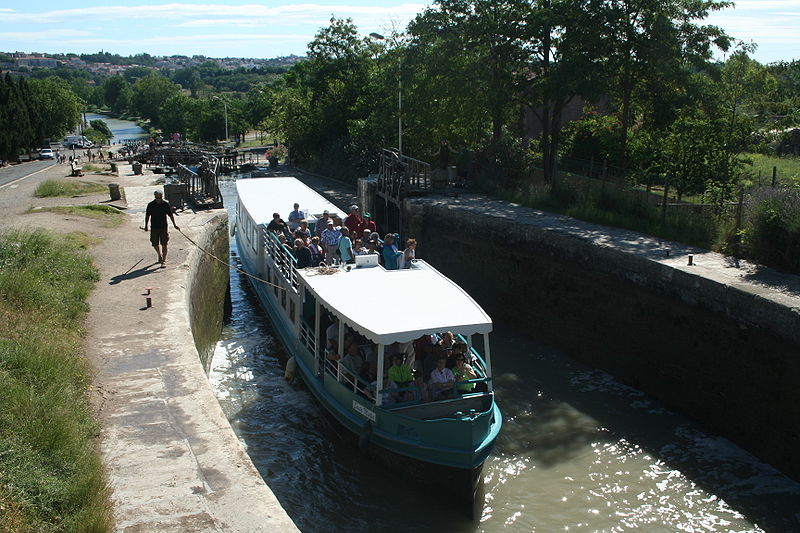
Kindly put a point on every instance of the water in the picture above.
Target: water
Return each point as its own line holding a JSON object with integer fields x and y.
{"x": 579, "y": 451}
{"x": 123, "y": 130}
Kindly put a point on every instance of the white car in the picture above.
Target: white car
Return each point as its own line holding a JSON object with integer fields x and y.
{"x": 47, "y": 153}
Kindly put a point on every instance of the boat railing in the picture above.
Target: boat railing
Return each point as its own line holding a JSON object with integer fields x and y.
{"x": 282, "y": 256}
{"x": 307, "y": 337}
{"x": 480, "y": 367}
{"x": 346, "y": 377}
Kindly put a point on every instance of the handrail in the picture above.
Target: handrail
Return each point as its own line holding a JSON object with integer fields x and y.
{"x": 283, "y": 258}
{"x": 482, "y": 366}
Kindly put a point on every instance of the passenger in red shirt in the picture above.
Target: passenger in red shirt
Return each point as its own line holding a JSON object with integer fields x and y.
{"x": 368, "y": 224}
{"x": 354, "y": 222}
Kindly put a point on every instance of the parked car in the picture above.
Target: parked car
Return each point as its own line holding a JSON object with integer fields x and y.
{"x": 47, "y": 153}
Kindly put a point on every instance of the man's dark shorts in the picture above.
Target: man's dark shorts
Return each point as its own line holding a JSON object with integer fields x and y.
{"x": 159, "y": 236}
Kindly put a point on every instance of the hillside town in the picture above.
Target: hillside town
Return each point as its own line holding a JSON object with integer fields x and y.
{"x": 23, "y": 62}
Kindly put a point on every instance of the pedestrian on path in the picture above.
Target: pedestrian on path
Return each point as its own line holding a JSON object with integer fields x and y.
{"x": 157, "y": 212}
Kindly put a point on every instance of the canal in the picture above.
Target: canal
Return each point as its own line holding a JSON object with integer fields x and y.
{"x": 579, "y": 451}
{"x": 123, "y": 130}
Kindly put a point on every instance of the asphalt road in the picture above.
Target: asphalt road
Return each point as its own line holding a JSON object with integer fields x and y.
{"x": 13, "y": 173}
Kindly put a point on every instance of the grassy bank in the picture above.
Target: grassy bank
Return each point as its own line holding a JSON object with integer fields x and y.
{"x": 106, "y": 215}
{"x": 51, "y": 476}
{"x": 56, "y": 188}
{"x": 788, "y": 169}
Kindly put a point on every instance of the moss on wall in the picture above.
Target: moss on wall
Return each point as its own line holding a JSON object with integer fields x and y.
{"x": 209, "y": 287}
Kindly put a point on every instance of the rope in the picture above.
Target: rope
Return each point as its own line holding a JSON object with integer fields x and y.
{"x": 228, "y": 264}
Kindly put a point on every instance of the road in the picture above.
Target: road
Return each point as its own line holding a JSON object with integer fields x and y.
{"x": 23, "y": 170}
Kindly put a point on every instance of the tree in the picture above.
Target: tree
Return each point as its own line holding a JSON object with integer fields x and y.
{"x": 59, "y": 108}
{"x": 653, "y": 39}
{"x": 149, "y": 93}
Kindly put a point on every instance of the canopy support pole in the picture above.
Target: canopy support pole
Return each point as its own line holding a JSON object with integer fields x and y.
{"x": 379, "y": 384}
{"x": 488, "y": 358}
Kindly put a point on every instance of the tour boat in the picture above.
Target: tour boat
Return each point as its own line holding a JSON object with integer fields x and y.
{"x": 388, "y": 309}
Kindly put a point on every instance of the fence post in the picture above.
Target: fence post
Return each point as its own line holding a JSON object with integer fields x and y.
{"x": 774, "y": 175}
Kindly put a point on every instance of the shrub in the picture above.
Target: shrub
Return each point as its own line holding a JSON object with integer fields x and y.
{"x": 771, "y": 233}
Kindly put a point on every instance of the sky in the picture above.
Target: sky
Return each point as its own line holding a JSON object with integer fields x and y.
{"x": 230, "y": 28}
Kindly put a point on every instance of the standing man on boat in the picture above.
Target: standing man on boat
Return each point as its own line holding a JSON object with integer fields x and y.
{"x": 330, "y": 239}
{"x": 353, "y": 221}
{"x": 157, "y": 212}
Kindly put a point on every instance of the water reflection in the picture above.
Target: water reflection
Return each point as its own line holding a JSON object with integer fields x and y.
{"x": 123, "y": 130}
{"x": 578, "y": 452}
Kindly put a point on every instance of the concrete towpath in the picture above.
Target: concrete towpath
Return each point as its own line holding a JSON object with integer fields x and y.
{"x": 173, "y": 461}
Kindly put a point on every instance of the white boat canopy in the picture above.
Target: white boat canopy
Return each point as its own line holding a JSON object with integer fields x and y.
{"x": 264, "y": 196}
{"x": 388, "y": 306}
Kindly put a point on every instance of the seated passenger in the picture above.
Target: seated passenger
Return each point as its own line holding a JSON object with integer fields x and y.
{"x": 375, "y": 244}
{"x": 317, "y": 255}
{"x": 447, "y": 340}
{"x": 463, "y": 371}
{"x": 295, "y": 216}
{"x": 459, "y": 349}
{"x": 409, "y": 254}
{"x": 302, "y": 254}
{"x": 352, "y": 361}
{"x": 391, "y": 255}
{"x": 304, "y": 229}
{"x": 277, "y": 225}
{"x": 442, "y": 380}
{"x": 400, "y": 374}
{"x": 386, "y": 391}
{"x": 332, "y": 337}
{"x": 421, "y": 392}
{"x": 359, "y": 248}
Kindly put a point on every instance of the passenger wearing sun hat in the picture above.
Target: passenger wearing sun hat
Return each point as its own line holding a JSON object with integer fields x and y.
{"x": 330, "y": 239}
{"x": 369, "y": 224}
{"x": 322, "y": 223}
{"x": 353, "y": 221}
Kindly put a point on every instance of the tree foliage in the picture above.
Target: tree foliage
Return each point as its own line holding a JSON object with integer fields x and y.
{"x": 32, "y": 111}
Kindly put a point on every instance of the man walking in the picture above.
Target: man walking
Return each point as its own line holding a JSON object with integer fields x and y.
{"x": 157, "y": 212}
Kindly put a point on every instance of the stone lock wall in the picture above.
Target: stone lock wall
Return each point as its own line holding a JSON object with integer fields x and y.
{"x": 208, "y": 287}
{"x": 725, "y": 357}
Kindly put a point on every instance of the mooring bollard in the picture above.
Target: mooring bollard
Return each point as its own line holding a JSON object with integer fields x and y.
{"x": 691, "y": 260}
{"x": 149, "y": 301}
{"x": 113, "y": 191}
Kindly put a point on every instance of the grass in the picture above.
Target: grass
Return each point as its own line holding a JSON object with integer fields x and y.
{"x": 104, "y": 168}
{"x": 105, "y": 214}
{"x": 788, "y": 169}
{"x": 51, "y": 475}
{"x": 57, "y": 188}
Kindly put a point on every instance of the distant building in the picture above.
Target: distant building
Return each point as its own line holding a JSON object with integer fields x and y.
{"x": 34, "y": 60}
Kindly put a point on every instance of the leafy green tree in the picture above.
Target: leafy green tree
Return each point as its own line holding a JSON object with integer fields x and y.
{"x": 149, "y": 93}
{"x": 59, "y": 108}
{"x": 112, "y": 88}
{"x": 177, "y": 113}
{"x": 102, "y": 127}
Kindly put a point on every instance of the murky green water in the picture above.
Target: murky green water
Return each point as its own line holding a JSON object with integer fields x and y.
{"x": 579, "y": 451}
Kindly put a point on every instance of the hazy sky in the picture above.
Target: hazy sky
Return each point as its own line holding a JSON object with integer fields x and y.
{"x": 230, "y": 28}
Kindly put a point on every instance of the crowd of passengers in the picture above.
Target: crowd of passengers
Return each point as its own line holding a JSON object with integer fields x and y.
{"x": 433, "y": 367}
{"x": 330, "y": 242}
